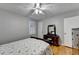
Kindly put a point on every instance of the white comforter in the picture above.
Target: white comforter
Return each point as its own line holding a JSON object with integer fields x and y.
{"x": 28, "y": 46}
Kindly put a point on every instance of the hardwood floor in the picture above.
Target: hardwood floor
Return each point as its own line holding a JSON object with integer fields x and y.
{"x": 63, "y": 50}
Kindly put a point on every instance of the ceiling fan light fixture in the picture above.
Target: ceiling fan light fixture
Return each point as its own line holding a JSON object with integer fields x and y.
{"x": 37, "y": 9}
{"x": 41, "y": 12}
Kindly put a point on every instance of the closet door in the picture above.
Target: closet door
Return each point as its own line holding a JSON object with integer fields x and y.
{"x": 67, "y": 33}
{"x": 40, "y": 29}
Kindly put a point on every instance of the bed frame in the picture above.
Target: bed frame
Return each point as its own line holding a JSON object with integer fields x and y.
{"x": 42, "y": 40}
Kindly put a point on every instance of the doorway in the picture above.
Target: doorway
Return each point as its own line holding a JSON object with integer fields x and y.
{"x": 75, "y": 38}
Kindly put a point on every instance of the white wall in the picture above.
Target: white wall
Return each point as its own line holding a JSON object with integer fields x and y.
{"x": 59, "y": 22}
{"x": 69, "y": 23}
{"x": 12, "y": 27}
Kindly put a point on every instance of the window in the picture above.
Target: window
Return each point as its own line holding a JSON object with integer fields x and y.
{"x": 32, "y": 27}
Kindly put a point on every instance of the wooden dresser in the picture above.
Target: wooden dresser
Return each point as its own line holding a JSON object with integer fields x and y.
{"x": 54, "y": 39}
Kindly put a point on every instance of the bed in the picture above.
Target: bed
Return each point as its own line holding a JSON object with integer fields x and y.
{"x": 29, "y": 46}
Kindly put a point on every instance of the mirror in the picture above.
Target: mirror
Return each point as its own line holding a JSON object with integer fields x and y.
{"x": 51, "y": 29}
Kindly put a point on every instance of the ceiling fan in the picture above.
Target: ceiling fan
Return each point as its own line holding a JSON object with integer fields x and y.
{"x": 38, "y": 9}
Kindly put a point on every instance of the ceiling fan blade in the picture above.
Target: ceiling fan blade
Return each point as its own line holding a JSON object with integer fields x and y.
{"x": 41, "y": 12}
{"x": 30, "y": 12}
{"x": 47, "y": 6}
{"x": 38, "y": 12}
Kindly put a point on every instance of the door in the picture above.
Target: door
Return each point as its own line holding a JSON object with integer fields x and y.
{"x": 67, "y": 34}
{"x": 75, "y": 38}
{"x": 40, "y": 30}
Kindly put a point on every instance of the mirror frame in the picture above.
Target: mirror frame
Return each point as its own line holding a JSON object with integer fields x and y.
{"x": 53, "y": 29}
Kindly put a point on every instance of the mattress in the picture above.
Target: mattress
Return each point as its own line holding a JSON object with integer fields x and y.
{"x": 29, "y": 46}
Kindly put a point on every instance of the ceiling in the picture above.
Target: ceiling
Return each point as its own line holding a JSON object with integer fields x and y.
{"x": 51, "y": 9}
